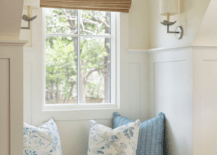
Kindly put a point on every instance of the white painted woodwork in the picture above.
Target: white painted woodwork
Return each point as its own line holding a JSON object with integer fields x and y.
{"x": 137, "y": 51}
{"x": 77, "y": 142}
{"x": 205, "y": 105}
{"x": 4, "y": 106}
{"x": 27, "y": 79}
{"x": 183, "y": 85}
{"x": 11, "y": 97}
{"x": 135, "y": 89}
{"x": 170, "y": 81}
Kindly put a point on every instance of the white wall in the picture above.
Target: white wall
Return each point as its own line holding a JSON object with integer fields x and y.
{"x": 26, "y": 34}
{"x": 73, "y": 125}
{"x": 207, "y": 34}
{"x": 139, "y": 25}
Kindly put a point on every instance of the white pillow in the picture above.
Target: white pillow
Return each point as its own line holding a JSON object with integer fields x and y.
{"x": 43, "y": 140}
{"x": 120, "y": 141}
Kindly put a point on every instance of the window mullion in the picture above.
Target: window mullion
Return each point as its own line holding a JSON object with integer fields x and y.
{"x": 78, "y": 60}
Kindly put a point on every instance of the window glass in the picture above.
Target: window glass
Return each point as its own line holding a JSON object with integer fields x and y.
{"x": 61, "y": 70}
{"x": 77, "y": 56}
{"x": 95, "y": 22}
{"x": 61, "y": 21}
{"x": 95, "y": 70}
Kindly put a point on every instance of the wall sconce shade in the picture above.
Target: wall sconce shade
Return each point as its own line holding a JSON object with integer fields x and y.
{"x": 34, "y": 4}
{"x": 169, "y": 6}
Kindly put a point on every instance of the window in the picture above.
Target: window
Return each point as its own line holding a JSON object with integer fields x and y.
{"x": 80, "y": 57}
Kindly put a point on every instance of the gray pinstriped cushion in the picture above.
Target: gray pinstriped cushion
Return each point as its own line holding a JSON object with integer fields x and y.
{"x": 151, "y": 134}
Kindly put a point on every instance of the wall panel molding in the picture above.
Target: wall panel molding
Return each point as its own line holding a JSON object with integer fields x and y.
{"x": 170, "y": 92}
{"x": 135, "y": 90}
{"x": 11, "y": 97}
{"x": 209, "y": 106}
{"x": 28, "y": 92}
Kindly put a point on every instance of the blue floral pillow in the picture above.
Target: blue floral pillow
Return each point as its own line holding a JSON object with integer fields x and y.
{"x": 151, "y": 134}
{"x": 43, "y": 140}
{"x": 120, "y": 141}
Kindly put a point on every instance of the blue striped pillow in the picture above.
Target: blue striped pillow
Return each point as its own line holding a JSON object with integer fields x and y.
{"x": 151, "y": 134}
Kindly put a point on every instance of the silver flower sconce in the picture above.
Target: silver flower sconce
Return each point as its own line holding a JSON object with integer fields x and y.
{"x": 169, "y": 8}
{"x": 28, "y": 18}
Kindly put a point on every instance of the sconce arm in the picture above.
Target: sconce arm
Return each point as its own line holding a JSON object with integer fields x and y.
{"x": 179, "y": 30}
{"x": 168, "y": 30}
{"x": 27, "y": 28}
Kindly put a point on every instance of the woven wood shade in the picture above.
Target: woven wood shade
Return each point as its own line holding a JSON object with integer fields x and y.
{"x": 98, "y": 5}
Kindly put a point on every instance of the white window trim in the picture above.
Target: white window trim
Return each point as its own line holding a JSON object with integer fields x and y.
{"x": 115, "y": 69}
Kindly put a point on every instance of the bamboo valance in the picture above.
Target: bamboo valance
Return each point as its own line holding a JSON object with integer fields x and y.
{"x": 97, "y": 5}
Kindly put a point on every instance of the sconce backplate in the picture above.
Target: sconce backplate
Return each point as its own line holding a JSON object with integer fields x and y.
{"x": 181, "y": 32}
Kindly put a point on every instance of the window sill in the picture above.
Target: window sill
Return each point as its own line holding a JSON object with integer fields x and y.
{"x": 78, "y": 107}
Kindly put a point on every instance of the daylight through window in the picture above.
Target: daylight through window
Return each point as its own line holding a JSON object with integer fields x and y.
{"x": 78, "y": 56}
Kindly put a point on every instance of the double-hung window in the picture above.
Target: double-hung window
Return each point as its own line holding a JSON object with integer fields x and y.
{"x": 80, "y": 58}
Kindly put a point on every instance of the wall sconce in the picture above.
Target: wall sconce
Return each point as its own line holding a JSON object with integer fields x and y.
{"x": 169, "y": 8}
{"x": 28, "y": 18}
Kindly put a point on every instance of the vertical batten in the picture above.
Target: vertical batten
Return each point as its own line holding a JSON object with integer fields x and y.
{"x": 4, "y": 106}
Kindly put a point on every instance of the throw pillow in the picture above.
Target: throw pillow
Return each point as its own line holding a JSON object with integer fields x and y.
{"x": 120, "y": 141}
{"x": 151, "y": 134}
{"x": 43, "y": 140}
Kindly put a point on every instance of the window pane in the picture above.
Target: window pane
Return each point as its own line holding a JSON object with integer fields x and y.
{"x": 61, "y": 21}
{"x": 94, "y": 78}
{"x": 61, "y": 70}
{"x": 95, "y": 22}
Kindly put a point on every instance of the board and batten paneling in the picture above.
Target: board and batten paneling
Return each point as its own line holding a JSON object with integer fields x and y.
{"x": 27, "y": 79}
{"x": 135, "y": 89}
{"x": 171, "y": 93}
{"x": 74, "y": 131}
{"x": 11, "y": 97}
{"x": 74, "y": 137}
{"x": 210, "y": 106}
{"x": 205, "y": 101}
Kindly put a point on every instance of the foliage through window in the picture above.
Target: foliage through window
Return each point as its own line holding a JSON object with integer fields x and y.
{"x": 78, "y": 56}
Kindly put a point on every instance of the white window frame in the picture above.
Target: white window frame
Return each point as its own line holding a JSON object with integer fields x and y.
{"x": 115, "y": 68}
